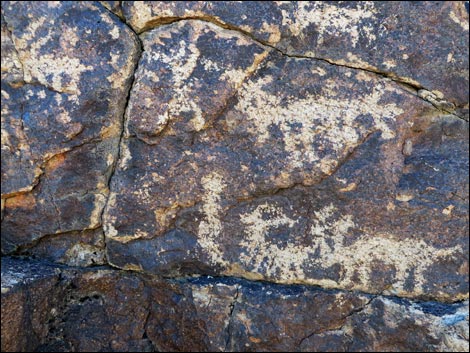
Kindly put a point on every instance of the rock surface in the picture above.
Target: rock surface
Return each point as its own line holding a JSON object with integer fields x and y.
{"x": 378, "y": 36}
{"x": 66, "y": 70}
{"x": 285, "y": 169}
{"x": 234, "y": 176}
{"x": 71, "y": 309}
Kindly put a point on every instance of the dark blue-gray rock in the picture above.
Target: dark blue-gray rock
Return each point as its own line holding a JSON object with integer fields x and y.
{"x": 29, "y": 293}
{"x": 50, "y": 308}
{"x": 54, "y": 308}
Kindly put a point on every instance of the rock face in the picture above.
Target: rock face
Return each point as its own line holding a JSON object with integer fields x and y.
{"x": 377, "y": 36}
{"x": 235, "y": 176}
{"x": 66, "y": 72}
{"x": 47, "y": 308}
{"x": 260, "y": 166}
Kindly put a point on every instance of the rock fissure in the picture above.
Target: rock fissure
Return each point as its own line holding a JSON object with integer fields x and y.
{"x": 79, "y": 292}
{"x": 123, "y": 122}
{"x": 234, "y": 176}
{"x": 414, "y": 87}
{"x": 230, "y": 318}
{"x": 43, "y": 166}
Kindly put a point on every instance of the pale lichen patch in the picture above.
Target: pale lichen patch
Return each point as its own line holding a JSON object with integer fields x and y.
{"x": 349, "y": 187}
{"x": 133, "y": 267}
{"x": 461, "y": 22}
{"x": 403, "y": 255}
{"x": 201, "y": 296}
{"x": 180, "y": 62}
{"x": 211, "y": 226}
{"x": 404, "y": 196}
{"x": 109, "y": 159}
{"x": 331, "y": 20}
{"x": 109, "y": 220}
{"x": 286, "y": 261}
{"x": 261, "y": 255}
{"x": 450, "y": 57}
{"x": 83, "y": 255}
{"x": 448, "y": 210}
{"x": 98, "y": 205}
{"x": 319, "y": 71}
{"x": 407, "y": 147}
{"x": 141, "y": 14}
{"x": 5, "y": 95}
{"x": 125, "y": 156}
{"x": 237, "y": 76}
{"x": 273, "y": 31}
{"x": 111, "y": 130}
{"x": 165, "y": 215}
{"x": 327, "y": 116}
{"x": 50, "y": 69}
{"x": 389, "y": 64}
{"x": 115, "y": 32}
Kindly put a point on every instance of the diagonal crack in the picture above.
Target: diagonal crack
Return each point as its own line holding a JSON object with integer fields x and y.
{"x": 413, "y": 88}
{"x": 318, "y": 180}
{"x": 343, "y": 320}
{"x": 115, "y": 10}
{"x": 24, "y": 248}
{"x": 42, "y": 167}
{"x": 232, "y": 308}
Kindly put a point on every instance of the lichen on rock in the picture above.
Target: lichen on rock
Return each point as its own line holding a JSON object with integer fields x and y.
{"x": 61, "y": 118}
{"x": 234, "y": 176}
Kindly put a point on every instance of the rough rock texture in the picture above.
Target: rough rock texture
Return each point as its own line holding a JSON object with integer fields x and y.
{"x": 378, "y": 36}
{"x": 66, "y": 70}
{"x": 234, "y": 157}
{"x": 47, "y": 308}
{"x": 235, "y": 176}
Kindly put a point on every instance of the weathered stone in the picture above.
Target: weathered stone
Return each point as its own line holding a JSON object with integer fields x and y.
{"x": 29, "y": 293}
{"x": 65, "y": 309}
{"x": 424, "y": 44}
{"x": 66, "y": 70}
{"x": 16, "y": 176}
{"x": 275, "y": 307}
{"x": 281, "y": 176}
{"x": 46, "y": 308}
{"x": 76, "y": 248}
{"x": 213, "y": 150}
{"x": 391, "y": 325}
{"x": 114, "y": 7}
{"x": 106, "y": 311}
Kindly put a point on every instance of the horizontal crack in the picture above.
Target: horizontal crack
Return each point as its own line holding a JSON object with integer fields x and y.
{"x": 22, "y": 249}
{"x": 40, "y": 84}
{"x": 37, "y": 179}
{"x": 239, "y": 283}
